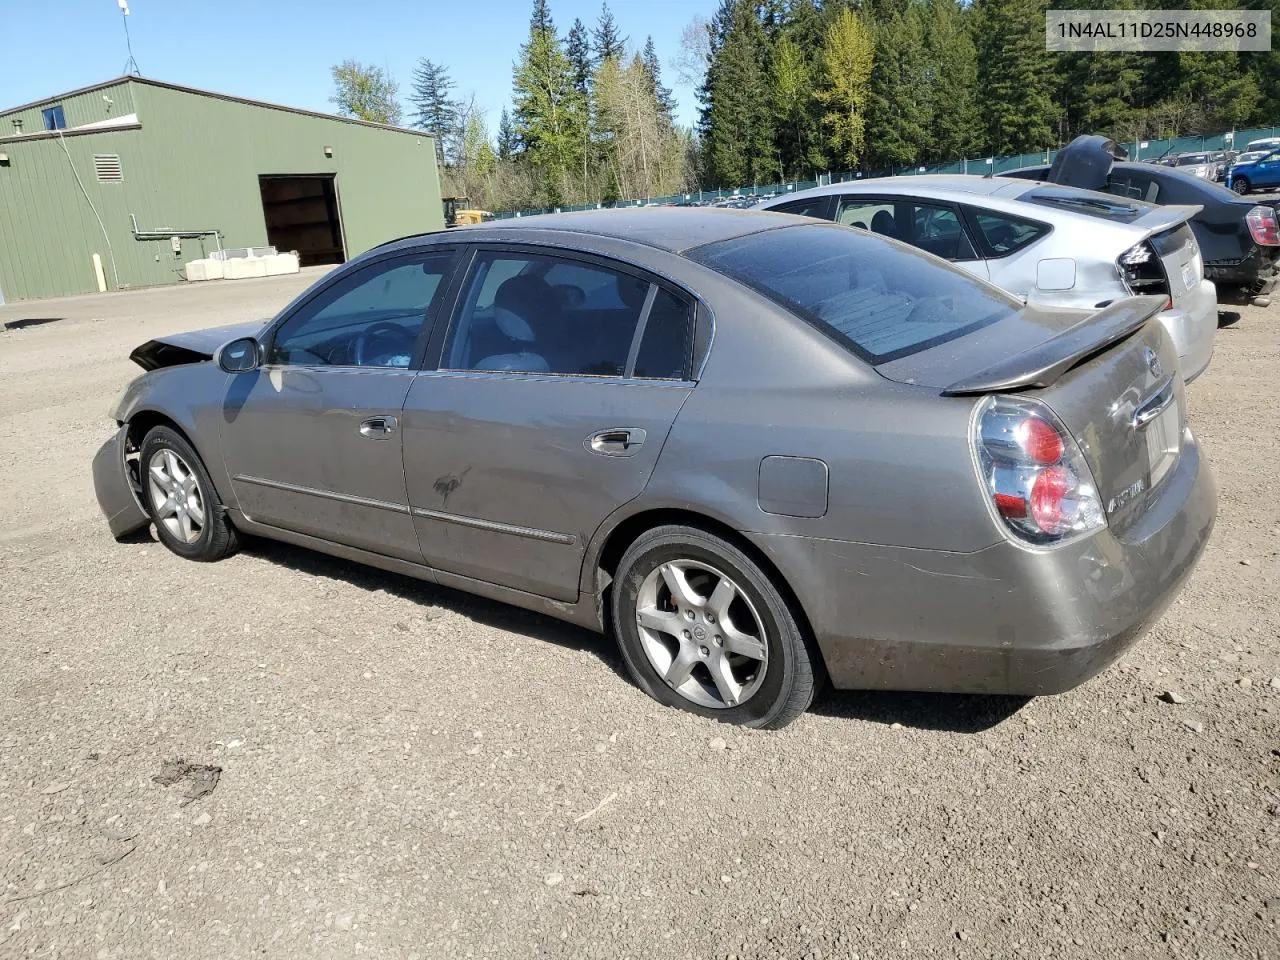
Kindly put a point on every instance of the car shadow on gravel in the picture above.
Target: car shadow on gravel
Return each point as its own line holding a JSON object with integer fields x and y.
{"x": 488, "y": 612}
{"x": 951, "y": 712}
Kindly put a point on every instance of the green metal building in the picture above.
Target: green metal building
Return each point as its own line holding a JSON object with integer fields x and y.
{"x": 148, "y": 175}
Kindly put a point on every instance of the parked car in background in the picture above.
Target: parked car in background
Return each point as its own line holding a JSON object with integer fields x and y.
{"x": 1197, "y": 165}
{"x": 1260, "y": 172}
{"x": 759, "y": 449}
{"x": 1053, "y": 245}
{"x": 1265, "y": 143}
{"x": 1239, "y": 240}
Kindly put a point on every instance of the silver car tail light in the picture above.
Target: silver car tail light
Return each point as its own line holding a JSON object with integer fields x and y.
{"x": 1038, "y": 482}
{"x": 1141, "y": 271}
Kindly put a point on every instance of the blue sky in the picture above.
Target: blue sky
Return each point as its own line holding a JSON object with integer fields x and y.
{"x": 282, "y": 50}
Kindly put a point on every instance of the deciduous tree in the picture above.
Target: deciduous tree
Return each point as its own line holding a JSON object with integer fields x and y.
{"x": 365, "y": 92}
{"x": 847, "y": 59}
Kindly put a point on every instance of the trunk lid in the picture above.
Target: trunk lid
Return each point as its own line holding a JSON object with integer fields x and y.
{"x": 1110, "y": 378}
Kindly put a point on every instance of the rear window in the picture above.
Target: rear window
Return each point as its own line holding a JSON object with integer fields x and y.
{"x": 1087, "y": 202}
{"x": 1192, "y": 160}
{"x": 882, "y": 300}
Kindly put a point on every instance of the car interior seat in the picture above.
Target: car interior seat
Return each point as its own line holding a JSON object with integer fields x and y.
{"x": 883, "y": 224}
{"x": 519, "y": 307}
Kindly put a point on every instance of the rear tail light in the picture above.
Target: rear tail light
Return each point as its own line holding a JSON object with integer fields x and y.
{"x": 1263, "y": 226}
{"x": 1032, "y": 469}
{"x": 1141, "y": 270}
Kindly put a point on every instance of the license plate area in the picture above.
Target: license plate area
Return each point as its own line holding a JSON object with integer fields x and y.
{"x": 1189, "y": 276}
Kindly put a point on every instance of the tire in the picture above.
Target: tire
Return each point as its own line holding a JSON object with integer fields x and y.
{"x": 193, "y": 525}
{"x": 1240, "y": 185}
{"x": 746, "y": 661}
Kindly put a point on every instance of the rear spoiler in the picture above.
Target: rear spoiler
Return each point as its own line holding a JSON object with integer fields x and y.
{"x": 1160, "y": 219}
{"x": 1043, "y": 364}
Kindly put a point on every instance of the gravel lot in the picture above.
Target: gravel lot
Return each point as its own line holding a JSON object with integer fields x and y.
{"x": 411, "y": 772}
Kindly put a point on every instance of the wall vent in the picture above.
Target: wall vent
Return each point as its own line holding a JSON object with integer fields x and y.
{"x": 107, "y": 167}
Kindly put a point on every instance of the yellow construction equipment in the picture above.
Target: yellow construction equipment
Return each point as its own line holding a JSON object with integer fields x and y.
{"x": 457, "y": 213}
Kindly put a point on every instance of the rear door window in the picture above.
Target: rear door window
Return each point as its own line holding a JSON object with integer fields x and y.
{"x": 879, "y": 300}
{"x": 869, "y": 214}
{"x": 562, "y": 316}
{"x": 933, "y": 227}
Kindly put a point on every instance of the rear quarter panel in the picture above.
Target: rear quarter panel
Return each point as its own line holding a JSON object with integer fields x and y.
{"x": 898, "y": 456}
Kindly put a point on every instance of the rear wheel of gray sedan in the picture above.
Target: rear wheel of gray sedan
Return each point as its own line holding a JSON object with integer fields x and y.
{"x": 704, "y": 628}
{"x": 177, "y": 491}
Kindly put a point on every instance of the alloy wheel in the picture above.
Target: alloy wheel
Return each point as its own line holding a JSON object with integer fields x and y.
{"x": 701, "y": 633}
{"x": 176, "y": 498}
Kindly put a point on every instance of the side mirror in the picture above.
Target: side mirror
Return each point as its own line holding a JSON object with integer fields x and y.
{"x": 238, "y": 356}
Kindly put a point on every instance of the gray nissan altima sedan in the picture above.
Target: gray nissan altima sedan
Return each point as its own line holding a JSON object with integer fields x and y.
{"x": 759, "y": 450}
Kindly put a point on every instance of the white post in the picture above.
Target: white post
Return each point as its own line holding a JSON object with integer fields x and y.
{"x": 97, "y": 272}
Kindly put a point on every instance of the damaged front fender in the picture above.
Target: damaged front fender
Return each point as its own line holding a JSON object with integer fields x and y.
{"x": 117, "y": 491}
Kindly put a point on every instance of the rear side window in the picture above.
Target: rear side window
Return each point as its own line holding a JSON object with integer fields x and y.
{"x": 667, "y": 345}
{"x": 1002, "y": 234}
{"x": 881, "y": 300}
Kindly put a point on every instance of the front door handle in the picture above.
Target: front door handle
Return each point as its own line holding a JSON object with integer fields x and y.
{"x": 379, "y": 428}
{"x": 616, "y": 441}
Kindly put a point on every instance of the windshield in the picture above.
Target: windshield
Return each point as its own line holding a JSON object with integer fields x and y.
{"x": 1192, "y": 160}
{"x": 1100, "y": 205}
{"x": 881, "y": 299}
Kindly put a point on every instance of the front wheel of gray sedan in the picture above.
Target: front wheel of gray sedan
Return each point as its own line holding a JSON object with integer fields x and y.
{"x": 180, "y": 498}
{"x": 702, "y": 627}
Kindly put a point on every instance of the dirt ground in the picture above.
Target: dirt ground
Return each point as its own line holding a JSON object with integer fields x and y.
{"x": 411, "y": 772}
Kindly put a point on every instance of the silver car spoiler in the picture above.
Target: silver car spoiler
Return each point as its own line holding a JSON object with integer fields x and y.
{"x": 1043, "y": 364}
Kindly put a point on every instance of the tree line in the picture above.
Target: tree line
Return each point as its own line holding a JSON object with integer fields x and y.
{"x": 794, "y": 87}
{"x": 590, "y": 121}
{"x": 788, "y": 89}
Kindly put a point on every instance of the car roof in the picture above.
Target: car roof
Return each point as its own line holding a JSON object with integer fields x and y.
{"x": 941, "y": 182}
{"x": 674, "y": 229}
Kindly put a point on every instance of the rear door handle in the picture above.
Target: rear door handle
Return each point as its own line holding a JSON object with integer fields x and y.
{"x": 616, "y": 441}
{"x": 379, "y": 428}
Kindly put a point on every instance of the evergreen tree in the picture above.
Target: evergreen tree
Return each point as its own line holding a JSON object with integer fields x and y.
{"x": 953, "y": 82}
{"x": 578, "y": 49}
{"x": 434, "y": 108}
{"x": 508, "y": 141}
{"x": 738, "y": 123}
{"x": 550, "y": 113}
{"x": 1015, "y": 84}
{"x": 661, "y": 95}
{"x": 606, "y": 40}
{"x": 541, "y": 18}
{"x": 848, "y": 57}
{"x": 900, "y": 108}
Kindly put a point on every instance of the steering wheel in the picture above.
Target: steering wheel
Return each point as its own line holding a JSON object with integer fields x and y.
{"x": 390, "y": 333}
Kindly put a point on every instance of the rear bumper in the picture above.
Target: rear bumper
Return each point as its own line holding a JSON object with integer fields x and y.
{"x": 1192, "y": 325}
{"x": 115, "y": 495}
{"x": 1259, "y": 265}
{"x": 1003, "y": 620}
